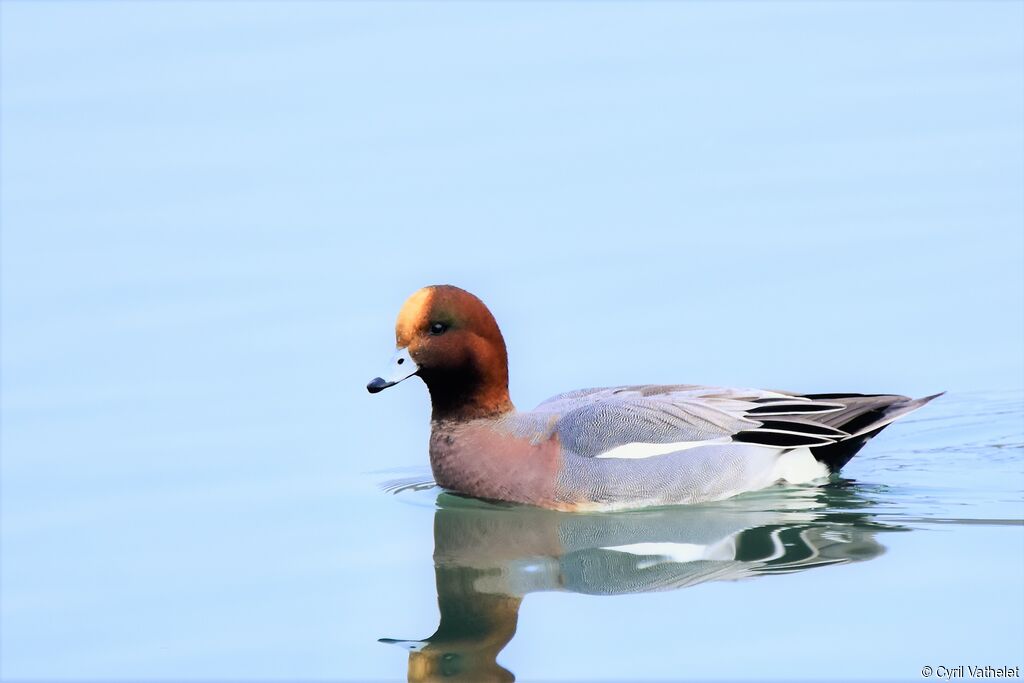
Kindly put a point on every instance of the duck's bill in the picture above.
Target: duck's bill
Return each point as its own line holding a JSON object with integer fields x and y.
{"x": 401, "y": 367}
{"x": 411, "y": 645}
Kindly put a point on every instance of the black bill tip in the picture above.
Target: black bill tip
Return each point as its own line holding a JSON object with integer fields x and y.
{"x": 378, "y": 384}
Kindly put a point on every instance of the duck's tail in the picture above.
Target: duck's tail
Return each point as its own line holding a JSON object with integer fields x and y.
{"x": 862, "y": 417}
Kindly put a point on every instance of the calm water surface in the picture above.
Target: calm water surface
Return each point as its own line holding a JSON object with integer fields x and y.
{"x": 913, "y": 558}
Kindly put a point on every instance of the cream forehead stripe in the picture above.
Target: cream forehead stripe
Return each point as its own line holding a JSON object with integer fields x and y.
{"x": 413, "y": 312}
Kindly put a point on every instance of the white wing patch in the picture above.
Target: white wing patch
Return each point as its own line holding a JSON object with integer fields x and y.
{"x": 658, "y": 553}
{"x": 636, "y": 450}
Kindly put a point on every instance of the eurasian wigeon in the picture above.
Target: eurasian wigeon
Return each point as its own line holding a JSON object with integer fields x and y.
{"x": 617, "y": 447}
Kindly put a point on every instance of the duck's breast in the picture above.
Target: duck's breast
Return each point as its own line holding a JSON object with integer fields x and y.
{"x": 485, "y": 461}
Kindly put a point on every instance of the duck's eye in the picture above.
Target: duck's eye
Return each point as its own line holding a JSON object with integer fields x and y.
{"x": 438, "y": 328}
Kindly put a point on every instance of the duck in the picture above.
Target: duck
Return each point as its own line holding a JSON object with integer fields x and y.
{"x": 611, "y": 448}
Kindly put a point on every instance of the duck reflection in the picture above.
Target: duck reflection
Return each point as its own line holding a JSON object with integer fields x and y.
{"x": 488, "y": 557}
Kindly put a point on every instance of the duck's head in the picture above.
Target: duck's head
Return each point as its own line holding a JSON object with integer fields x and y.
{"x": 448, "y": 338}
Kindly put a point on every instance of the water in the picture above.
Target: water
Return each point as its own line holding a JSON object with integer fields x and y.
{"x": 212, "y": 212}
{"x": 912, "y": 559}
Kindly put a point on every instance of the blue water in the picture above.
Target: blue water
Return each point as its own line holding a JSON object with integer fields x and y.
{"x": 211, "y": 212}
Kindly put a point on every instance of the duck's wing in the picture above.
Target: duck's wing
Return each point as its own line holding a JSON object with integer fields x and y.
{"x": 643, "y": 421}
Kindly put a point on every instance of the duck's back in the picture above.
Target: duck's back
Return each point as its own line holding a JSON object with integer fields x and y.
{"x": 636, "y": 446}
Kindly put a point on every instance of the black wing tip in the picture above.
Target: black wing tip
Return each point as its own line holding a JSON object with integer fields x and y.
{"x": 794, "y": 424}
{"x": 781, "y": 439}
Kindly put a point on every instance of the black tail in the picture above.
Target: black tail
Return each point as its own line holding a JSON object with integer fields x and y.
{"x": 835, "y": 455}
{"x": 862, "y": 418}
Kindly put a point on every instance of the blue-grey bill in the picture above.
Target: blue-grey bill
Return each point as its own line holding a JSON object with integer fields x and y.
{"x": 401, "y": 367}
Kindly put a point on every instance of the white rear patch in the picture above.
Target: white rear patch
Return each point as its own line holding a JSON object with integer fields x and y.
{"x": 798, "y": 466}
{"x": 638, "y": 450}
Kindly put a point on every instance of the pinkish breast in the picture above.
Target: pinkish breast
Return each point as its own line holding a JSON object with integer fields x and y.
{"x": 480, "y": 459}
